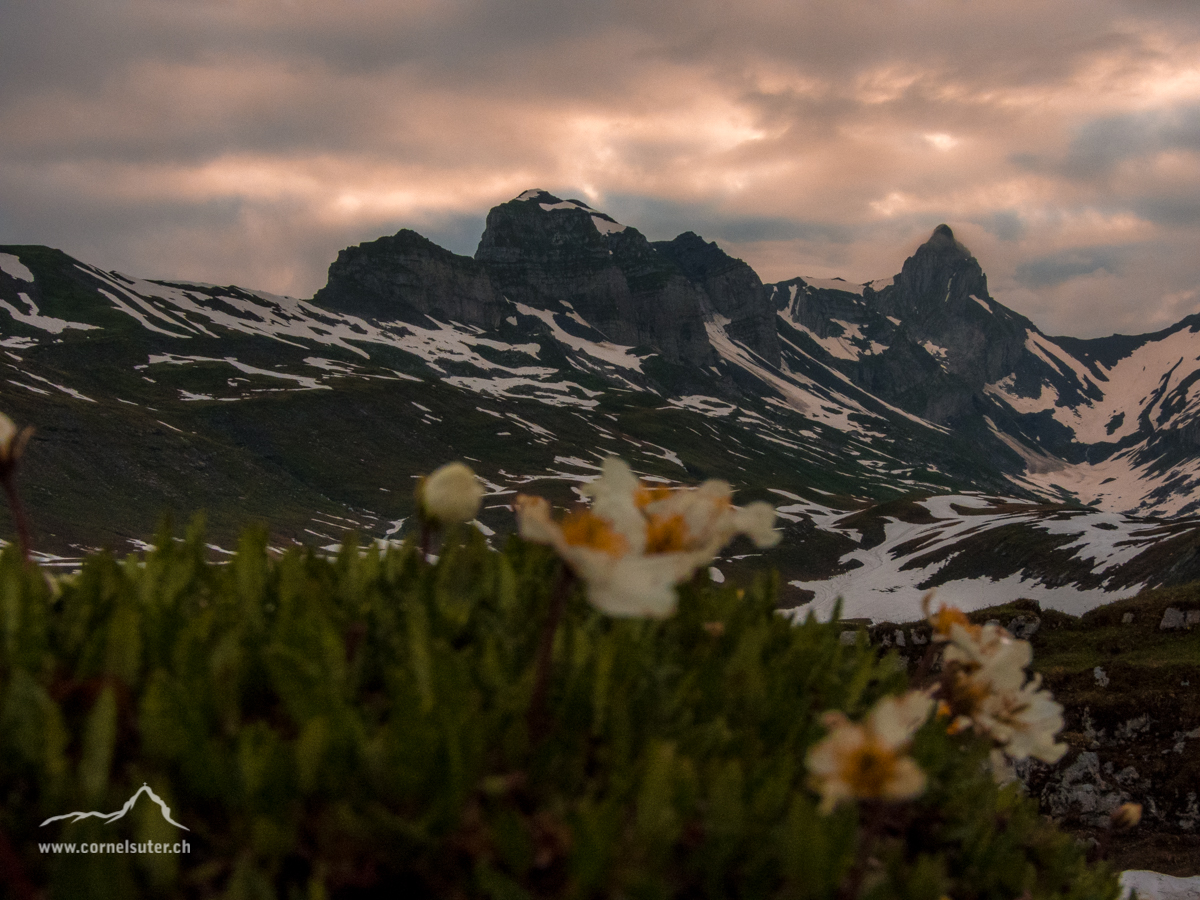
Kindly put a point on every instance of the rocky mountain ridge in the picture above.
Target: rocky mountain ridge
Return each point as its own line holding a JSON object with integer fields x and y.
{"x": 570, "y": 336}
{"x": 931, "y": 343}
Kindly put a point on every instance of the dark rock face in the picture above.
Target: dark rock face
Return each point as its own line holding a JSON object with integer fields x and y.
{"x": 733, "y": 289}
{"x": 543, "y": 251}
{"x": 932, "y": 340}
{"x": 406, "y": 276}
{"x": 941, "y": 296}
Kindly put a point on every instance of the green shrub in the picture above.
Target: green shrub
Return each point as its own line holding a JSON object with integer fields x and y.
{"x": 358, "y": 725}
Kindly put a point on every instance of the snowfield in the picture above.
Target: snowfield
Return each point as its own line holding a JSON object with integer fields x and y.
{"x": 887, "y": 581}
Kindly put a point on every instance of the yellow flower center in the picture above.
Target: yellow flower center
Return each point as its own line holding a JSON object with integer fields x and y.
{"x": 946, "y": 617}
{"x": 966, "y": 693}
{"x": 868, "y": 770}
{"x": 582, "y": 528}
{"x": 644, "y": 495}
{"x": 666, "y": 534}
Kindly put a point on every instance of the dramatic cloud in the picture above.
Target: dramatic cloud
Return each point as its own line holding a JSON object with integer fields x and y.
{"x": 248, "y": 141}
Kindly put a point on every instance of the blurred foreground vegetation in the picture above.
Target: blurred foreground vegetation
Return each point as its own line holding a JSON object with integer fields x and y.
{"x": 358, "y": 726}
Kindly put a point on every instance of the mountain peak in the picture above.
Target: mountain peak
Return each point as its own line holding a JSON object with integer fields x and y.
{"x": 943, "y": 242}
{"x": 548, "y": 201}
{"x": 940, "y": 263}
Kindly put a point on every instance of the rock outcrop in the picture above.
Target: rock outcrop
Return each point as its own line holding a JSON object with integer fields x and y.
{"x": 732, "y": 288}
{"x": 553, "y": 254}
{"x": 941, "y": 296}
{"x": 407, "y": 276}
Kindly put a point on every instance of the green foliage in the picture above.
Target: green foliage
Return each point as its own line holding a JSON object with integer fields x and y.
{"x": 330, "y": 726}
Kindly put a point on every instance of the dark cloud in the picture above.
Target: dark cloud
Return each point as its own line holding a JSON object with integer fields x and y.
{"x": 1056, "y": 268}
{"x": 662, "y": 219}
{"x": 459, "y": 234}
{"x": 250, "y": 140}
{"x": 1006, "y": 224}
{"x": 1178, "y": 210}
{"x": 1102, "y": 144}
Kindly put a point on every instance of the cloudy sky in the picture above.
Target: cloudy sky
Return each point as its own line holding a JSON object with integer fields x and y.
{"x": 247, "y": 141}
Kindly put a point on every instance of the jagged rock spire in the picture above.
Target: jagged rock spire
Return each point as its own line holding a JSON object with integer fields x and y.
{"x": 941, "y": 271}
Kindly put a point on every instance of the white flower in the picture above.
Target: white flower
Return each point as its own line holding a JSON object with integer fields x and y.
{"x": 869, "y": 761}
{"x": 8, "y": 433}
{"x": 1024, "y": 721}
{"x": 990, "y": 654}
{"x": 986, "y": 688}
{"x": 451, "y": 494}
{"x": 636, "y": 543}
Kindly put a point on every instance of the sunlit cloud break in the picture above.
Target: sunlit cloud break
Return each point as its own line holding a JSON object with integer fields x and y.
{"x": 249, "y": 143}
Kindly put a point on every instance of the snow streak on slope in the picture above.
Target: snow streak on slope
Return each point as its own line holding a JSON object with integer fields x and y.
{"x": 31, "y": 315}
{"x": 183, "y": 311}
{"x": 800, "y": 393}
{"x": 604, "y": 351}
{"x": 1132, "y": 389}
{"x": 1151, "y": 393}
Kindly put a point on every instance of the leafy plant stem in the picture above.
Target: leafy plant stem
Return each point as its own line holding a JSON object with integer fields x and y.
{"x": 921, "y": 677}
{"x": 18, "y": 513}
{"x": 869, "y": 836}
{"x": 541, "y": 683}
{"x": 426, "y": 538}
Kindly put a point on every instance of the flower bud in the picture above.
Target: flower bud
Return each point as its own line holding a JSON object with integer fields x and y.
{"x": 8, "y": 433}
{"x": 1125, "y": 816}
{"x": 451, "y": 494}
{"x": 12, "y": 442}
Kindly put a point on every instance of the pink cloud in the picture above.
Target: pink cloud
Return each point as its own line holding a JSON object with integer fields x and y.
{"x": 249, "y": 142}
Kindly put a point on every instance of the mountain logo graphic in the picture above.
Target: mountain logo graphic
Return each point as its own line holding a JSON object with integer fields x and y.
{"x": 113, "y": 816}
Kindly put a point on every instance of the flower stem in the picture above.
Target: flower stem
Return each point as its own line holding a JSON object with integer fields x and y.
{"x": 925, "y": 667}
{"x": 869, "y": 835}
{"x": 18, "y": 513}
{"x": 426, "y": 538}
{"x": 536, "y": 717}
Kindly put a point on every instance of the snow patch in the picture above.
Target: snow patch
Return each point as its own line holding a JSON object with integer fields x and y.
{"x": 605, "y": 351}
{"x": 886, "y": 586}
{"x": 14, "y": 268}
{"x": 1004, "y": 390}
{"x": 709, "y": 406}
{"x": 33, "y": 317}
{"x": 938, "y": 353}
{"x": 607, "y": 226}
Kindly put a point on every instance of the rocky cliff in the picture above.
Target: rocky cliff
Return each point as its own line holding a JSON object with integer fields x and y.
{"x": 732, "y": 289}
{"x": 549, "y": 254}
{"x": 405, "y": 276}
